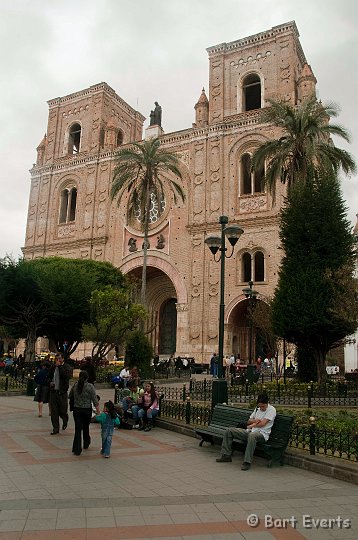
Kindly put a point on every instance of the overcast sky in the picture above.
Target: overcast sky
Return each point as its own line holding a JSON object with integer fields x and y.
{"x": 147, "y": 50}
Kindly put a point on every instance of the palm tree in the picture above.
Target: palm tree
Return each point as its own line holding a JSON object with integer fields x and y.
{"x": 140, "y": 170}
{"x": 305, "y": 147}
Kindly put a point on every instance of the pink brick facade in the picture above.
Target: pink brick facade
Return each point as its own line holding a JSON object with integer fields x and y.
{"x": 182, "y": 274}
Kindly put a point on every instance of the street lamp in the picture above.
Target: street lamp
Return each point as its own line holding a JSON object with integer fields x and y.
{"x": 215, "y": 244}
{"x": 251, "y": 294}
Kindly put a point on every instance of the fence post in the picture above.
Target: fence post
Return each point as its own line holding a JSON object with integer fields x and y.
{"x": 30, "y": 386}
{"x": 187, "y": 410}
{"x": 116, "y": 394}
{"x": 7, "y": 383}
{"x": 184, "y": 392}
{"x": 190, "y": 385}
{"x": 309, "y": 396}
{"x": 312, "y": 436}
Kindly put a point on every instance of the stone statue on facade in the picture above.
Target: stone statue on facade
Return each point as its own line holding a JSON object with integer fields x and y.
{"x": 156, "y": 115}
{"x": 160, "y": 242}
{"x": 132, "y": 243}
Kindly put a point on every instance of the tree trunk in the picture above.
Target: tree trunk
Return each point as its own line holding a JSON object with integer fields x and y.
{"x": 321, "y": 366}
{"x": 143, "y": 292}
{"x": 30, "y": 346}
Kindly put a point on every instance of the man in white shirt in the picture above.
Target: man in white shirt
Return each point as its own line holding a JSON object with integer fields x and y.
{"x": 258, "y": 430}
{"x": 125, "y": 376}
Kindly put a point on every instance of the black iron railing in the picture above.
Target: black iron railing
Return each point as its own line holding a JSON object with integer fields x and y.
{"x": 338, "y": 394}
{"x": 340, "y": 444}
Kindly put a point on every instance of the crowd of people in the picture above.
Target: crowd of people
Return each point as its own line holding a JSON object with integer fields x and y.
{"x": 141, "y": 404}
{"x": 234, "y": 366}
{"x": 53, "y": 382}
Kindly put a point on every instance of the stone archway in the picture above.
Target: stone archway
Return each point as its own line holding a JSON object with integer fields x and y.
{"x": 167, "y": 328}
{"x": 238, "y": 329}
{"x": 167, "y": 324}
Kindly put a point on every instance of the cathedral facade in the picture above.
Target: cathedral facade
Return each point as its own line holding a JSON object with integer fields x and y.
{"x": 71, "y": 213}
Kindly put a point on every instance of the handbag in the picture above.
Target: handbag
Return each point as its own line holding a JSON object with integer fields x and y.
{"x": 72, "y": 402}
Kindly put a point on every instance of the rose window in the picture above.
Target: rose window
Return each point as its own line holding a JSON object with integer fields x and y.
{"x": 155, "y": 211}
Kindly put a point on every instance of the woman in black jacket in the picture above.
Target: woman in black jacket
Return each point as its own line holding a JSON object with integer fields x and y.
{"x": 83, "y": 395}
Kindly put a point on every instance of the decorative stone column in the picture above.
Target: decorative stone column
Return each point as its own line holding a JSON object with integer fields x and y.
{"x": 182, "y": 330}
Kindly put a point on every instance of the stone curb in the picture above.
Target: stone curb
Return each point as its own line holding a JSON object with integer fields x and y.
{"x": 328, "y": 466}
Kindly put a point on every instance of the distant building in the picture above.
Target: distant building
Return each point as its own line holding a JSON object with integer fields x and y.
{"x": 70, "y": 212}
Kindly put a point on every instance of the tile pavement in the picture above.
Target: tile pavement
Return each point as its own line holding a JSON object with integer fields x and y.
{"x": 156, "y": 485}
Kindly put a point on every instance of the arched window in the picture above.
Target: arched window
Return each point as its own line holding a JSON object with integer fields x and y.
{"x": 253, "y": 267}
{"x": 251, "y": 182}
{"x": 63, "y": 206}
{"x": 68, "y": 202}
{"x": 259, "y": 176}
{"x": 74, "y": 139}
{"x": 119, "y": 138}
{"x": 246, "y": 174}
{"x": 251, "y": 92}
{"x": 246, "y": 267}
{"x": 259, "y": 266}
{"x": 101, "y": 138}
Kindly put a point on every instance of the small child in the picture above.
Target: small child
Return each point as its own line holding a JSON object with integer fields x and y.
{"x": 108, "y": 419}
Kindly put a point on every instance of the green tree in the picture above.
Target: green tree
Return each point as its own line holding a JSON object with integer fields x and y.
{"x": 139, "y": 352}
{"x": 67, "y": 286}
{"x": 51, "y": 297}
{"x": 142, "y": 170}
{"x": 262, "y": 321}
{"x": 113, "y": 316}
{"x": 23, "y": 309}
{"x": 305, "y": 146}
{"x": 316, "y": 302}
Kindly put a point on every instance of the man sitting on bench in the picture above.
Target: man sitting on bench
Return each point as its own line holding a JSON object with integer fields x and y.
{"x": 258, "y": 430}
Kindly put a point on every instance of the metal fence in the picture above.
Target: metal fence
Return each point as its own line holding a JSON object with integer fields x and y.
{"x": 340, "y": 444}
{"x": 338, "y": 394}
{"x": 9, "y": 383}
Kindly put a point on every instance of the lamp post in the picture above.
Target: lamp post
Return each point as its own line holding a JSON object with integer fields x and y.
{"x": 215, "y": 244}
{"x": 251, "y": 294}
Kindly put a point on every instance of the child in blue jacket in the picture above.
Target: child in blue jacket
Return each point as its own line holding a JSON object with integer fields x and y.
{"x": 108, "y": 419}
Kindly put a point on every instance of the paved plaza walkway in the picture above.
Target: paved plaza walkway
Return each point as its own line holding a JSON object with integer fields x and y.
{"x": 158, "y": 484}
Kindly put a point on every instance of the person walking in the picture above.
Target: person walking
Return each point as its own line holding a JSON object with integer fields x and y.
{"x": 108, "y": 420}
{"x": 59, "y": 377}
{"x": 43, "y": 389}
{"x": 83, "y": 395}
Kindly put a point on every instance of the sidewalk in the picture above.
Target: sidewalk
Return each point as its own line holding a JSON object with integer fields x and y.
{"x": 156, "y": 485}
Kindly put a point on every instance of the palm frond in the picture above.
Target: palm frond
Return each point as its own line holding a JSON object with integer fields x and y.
{"x": 305, "y": 144}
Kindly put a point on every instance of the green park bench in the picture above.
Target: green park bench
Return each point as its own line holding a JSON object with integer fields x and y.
{"x": 225, "y": 416}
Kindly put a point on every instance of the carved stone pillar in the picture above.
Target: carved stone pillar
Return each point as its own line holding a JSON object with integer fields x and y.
{"x": 182, "y": 330}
